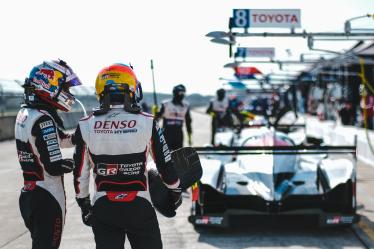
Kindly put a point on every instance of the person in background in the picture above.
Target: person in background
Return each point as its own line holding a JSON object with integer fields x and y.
{"x": 39, "y": 138}
{"x": 346, "y": 113}
{"x": 274, "y": 103}
{"x": 175, "y": 113}
{"x": 115, "y": 142}
{"x": 300, "y": 102}
{"x": 220, "y": 112}
{"x": 367, "y": 105}
{"x": 321, "y": 110}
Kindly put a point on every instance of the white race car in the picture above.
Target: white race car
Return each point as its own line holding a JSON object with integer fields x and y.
{"x": 264, "y": 173}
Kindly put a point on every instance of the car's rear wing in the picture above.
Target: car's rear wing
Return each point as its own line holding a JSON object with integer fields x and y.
{"x": 282, "y": 150}
{"x": 278, "y": 126}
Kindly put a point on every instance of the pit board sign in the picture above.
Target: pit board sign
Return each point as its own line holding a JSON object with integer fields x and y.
{"x": 266, "y": 18}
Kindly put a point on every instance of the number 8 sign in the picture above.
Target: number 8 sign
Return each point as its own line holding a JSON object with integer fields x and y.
{"x": 266, "y": 18}
{"x": 241, "y": 18}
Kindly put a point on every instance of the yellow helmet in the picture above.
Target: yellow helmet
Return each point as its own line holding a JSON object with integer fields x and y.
{"x": 116, "y": 76}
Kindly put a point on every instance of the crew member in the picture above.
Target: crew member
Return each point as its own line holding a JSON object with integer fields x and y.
{"x": 220, "y": 112}
{"x": 175, "y": 112}
{"x": 116, "y": 141}
{"x": 39, "y": 137}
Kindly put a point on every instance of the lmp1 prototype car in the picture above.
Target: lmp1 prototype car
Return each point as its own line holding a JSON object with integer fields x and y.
{"x": 265, "y": 175}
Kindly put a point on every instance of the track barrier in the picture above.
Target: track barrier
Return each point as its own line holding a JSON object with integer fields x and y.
{"x": 7, "y": 123}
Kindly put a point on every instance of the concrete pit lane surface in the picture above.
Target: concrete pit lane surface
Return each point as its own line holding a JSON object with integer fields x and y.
{"x": 176, "y": 232}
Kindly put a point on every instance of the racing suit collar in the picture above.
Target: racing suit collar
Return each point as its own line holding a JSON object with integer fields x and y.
{"x": 51, "y": 111}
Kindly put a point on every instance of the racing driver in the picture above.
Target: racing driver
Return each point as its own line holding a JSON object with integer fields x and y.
{"x": 39, "y": 136}
{"x": 115, "y": 141}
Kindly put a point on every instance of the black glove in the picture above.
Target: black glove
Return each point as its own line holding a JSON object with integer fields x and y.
{"x": 86, "y": 208}
{"x": 176, "y": 194}
{"x": 67, "y": 165}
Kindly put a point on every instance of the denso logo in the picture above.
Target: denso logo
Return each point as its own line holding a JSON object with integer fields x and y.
{"x": 109, "y": 125}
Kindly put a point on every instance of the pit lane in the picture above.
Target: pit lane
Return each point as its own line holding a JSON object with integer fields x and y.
{"x": 176, "y": 232}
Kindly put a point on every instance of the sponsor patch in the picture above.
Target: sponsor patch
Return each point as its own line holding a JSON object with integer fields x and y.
{"x": 57, "y": 231}
{"x": 165, "y": 148}
{"x": 107, "y": 169}
{"x": 128, "y": 169}
{"x": 50, "y": 136}
{"x": 53, "y": 147}
{"x": 46, "y": 124}
{"x": 52, "y": 141}
{"x": 46, "y": 72}
{"x": 125, "y": 131}
{"x": 110, "y": 75}
{"x": 115, "y": 127}
{"x": 48, "y": 130}
{"x": 41, "y": 82}
{"x": 55, "y": 158}
{"x": 55, "y": 152}
{"x": 25, "y": 157}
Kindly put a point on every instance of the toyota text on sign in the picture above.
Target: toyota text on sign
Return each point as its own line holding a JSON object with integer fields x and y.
{"x": 267, "y": 18}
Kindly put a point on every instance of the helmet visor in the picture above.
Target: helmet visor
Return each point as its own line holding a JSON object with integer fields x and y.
{"x": 65, "y": 100}
{"x": 73, "y": 80}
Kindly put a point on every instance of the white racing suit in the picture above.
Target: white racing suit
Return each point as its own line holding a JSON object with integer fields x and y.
{"x": 174, "y": 116}
{"x": 116, "y": 146}
{"x": 42, "y": 200}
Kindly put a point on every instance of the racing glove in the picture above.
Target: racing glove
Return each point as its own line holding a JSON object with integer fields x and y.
{"x": 176, "y": 194}
{"x": 67, "y": 165}
{"x": 86, "y": 208}
{"x": 213, "y": 114}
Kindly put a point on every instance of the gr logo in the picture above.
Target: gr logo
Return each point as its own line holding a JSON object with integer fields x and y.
{"x": 105, "y": 169}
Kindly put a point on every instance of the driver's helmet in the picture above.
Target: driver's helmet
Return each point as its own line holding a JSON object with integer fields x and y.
{"x": 179, "y": 90}
{"x": 50, "y": 82}
{"x": 116, "y": 76}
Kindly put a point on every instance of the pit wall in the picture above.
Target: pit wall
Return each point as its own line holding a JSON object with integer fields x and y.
{"x": 334, "y": 133}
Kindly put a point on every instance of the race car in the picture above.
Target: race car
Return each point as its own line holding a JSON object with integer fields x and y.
{"x": 295, "y": 130}
{"x": 265, "y": 175}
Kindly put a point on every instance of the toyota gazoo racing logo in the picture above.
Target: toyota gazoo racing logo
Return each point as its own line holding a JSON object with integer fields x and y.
{"x": 209, "y": 220}
{"x": 334, "y": 220}
{"x": 25, "y": 157}
{"x": 104, "y": 169}
{"x": 129, "y": 169}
